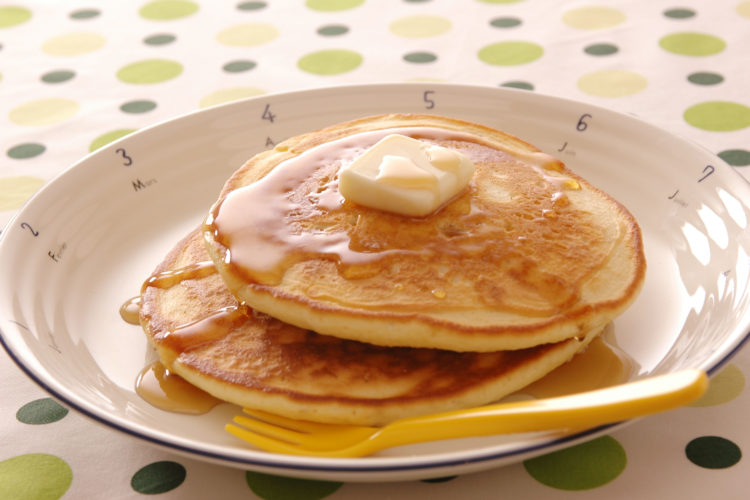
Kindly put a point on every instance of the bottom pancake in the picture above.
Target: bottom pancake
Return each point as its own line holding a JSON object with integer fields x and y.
{"x": 255, "y": 361}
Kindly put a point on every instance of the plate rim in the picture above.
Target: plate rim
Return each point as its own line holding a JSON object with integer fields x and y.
{"x": 378, "y": 464}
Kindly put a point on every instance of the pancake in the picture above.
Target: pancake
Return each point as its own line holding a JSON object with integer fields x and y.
{"x": 202, "y": 334}
{"x": 529, "y": 253}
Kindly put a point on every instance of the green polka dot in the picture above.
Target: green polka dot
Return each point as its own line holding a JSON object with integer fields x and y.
{"x": 736, "y": 157}
{"x": 13, "y": 16}
{"x": 724, "y": 387}
{"x": 149, "y": 71}
{"x": 26, "y": 150}
{"x": 140, "y": 106}
{"x": 105, "y": 139}
{"x": 58, "y": 76}
{"x": 692, "y": 44}
{"x": 420, "y": 57}
{"x": 44, "y": 111}
{"x": 269, "y": 487}
{"x": 247, "y": 35}
{"x": 705, "y": 78}
{"x": 582, "y": 467}
{"x": 517, "y": 84}
{"x": 718, "y": 116}
{"x": 333, "y": 30}
{"x": 593, "y": 18}
{"x": 505, "y": 22}
{"x": 160, "y": 39}
{"x": 601, "y": 49}
{"x": 612, "y": 83}
{"x": 510, "y": 53}
{"x": 228, "y": 95}
{"x": 420, "y": 26}
{"x": 84, "y": 14}
{"x": 330, "y": 62}
{"x": 743, "y": 9}
{"x": 73, "y": 44}
{"x": 41, "y": 411}
{"x": 36, "y": 475}
{"x": 166, "y": 10}
{"x": 679, "y": 13}
{"x": 158, "y": 477}
{"x": 439, "y": 479}
{"x": 333, "y": 5}
{"x": 713, "y": 452}
{"x": 239, "y": 66}
{"x": 251, "y": 5}
{"x": 14, "y": 191}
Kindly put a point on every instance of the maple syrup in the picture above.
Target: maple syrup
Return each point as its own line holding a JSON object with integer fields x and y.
{"x": 130, "y": 310}
{"x": 168, "y": 391}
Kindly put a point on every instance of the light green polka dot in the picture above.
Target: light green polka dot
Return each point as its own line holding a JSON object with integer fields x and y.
{"x": 612, "y": 83}
{"x": 510, "y": 53}
{"x": 73, "y": 44}
{"x": 724, "y": 387}
{"x": 333, "y": 5}
{"x": 247, "y": 35}
{"x": 593, "y": 18}
{"x": 105, "y": 139}
{"x": 14, "y": 191}
{"x": 692, "y": 44}
{"x": 149, "y": 71}
{"x": 330, "y": 62}
{"x": 743, "y": 9}
{"x": 13, "y": 16}
{"x": 718, "y": 116}
{"x": 582, "y": 467}
{"x": 36, "y": 475}
{"x": 270, "y": 487}
{"x": 166, "y": 10}
{"x": 420, "y": 26}
{"x": 46, "y": 111}
{"x": 228, "y": 95}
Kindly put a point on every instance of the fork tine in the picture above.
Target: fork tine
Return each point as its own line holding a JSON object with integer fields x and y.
{"x": 270, "y": 430}
{"x": 266, "y": 443}
{"x": 292, "y": 424}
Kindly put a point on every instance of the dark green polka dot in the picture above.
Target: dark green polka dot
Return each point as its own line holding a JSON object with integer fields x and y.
{"x": 58, "y": 76}
{"x": 679, "y": 13}
{"x": 705, "y": 78}
{"x": 736, "y": 157}
{"x": 269, "y": 487}
{"x": 41, "y": 411}
{"x": 517, "y": 84}
{"x": 142, "y": 106}
{"x": 505, "y": 22}
{"x": 581, "y": 467}
{"x": 601, "y": 49}
{"x": 158, "y": 477}
{"x": 333, "y": 30}
{"x": 251, "y": 5}
{"x": 26, "y": 150}
{"x": 84, "y": 14}
{"x": 713, "y": 452}
{"x": 160, "y": 39}
{"x": 238, "y": 66}
{"x": 439, "y": 479}
{"x": 420, "y": 57}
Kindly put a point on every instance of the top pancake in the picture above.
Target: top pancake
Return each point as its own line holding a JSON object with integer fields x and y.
{"x": 529, "y": 253}
{"x": 201, "y": 333}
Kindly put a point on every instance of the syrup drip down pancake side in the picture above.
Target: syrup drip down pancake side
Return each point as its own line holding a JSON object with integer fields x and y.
{"x": 202, "y": 334}
{"x": 528, "y": 253}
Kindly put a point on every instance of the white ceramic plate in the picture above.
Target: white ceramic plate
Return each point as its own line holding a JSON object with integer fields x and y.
{"x": 85, "y": 242}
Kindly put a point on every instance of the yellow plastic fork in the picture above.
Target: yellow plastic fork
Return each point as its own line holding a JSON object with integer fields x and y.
{"x": 578, "y": 411}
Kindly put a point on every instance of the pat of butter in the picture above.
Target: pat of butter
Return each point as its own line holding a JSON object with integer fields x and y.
{"x": 405, "y": 176}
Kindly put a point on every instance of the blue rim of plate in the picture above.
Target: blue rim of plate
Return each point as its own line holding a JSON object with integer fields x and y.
{"x": 352, "y": 465}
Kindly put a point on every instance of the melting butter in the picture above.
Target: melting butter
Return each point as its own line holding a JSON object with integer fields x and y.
{"x": 406, "y": 176}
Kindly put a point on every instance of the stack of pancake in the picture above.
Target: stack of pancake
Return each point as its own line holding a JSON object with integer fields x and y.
{"x": 295, "y": 300}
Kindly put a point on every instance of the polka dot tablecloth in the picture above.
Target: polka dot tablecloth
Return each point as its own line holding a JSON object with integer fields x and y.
{"x": 76, "y": 75}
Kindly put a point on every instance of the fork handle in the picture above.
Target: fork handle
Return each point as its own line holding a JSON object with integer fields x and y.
{"x": 578, "y": 411}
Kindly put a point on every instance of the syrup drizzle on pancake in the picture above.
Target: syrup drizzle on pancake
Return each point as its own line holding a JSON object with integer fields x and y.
{"x": 540, "y": 249}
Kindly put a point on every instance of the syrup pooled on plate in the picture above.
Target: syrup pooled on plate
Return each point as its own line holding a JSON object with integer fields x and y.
{"x": 168, "y": 391}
